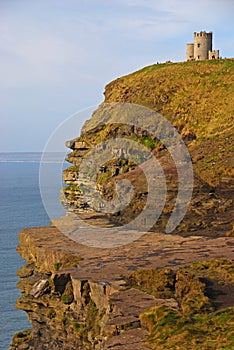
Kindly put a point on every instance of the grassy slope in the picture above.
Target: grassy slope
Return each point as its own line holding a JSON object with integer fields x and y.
{"x": 197, "y": 97}
{"x": 200, "y": 322}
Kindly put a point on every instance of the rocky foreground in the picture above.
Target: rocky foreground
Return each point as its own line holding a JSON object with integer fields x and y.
{"x": 80, "y": 297}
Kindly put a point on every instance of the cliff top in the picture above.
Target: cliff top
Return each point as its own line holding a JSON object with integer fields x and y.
{"x": 197, "y": 98}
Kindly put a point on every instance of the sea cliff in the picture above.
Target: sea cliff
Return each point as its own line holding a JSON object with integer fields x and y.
{"x": 78, "y": 297}
{"x": 160, "y": 291}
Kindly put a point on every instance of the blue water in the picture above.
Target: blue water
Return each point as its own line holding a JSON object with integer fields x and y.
{"x": 20, "y": 206}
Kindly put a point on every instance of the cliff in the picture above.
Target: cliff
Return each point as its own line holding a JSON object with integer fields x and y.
{"x": 78, "y": 297}
{"x": 196, "y": 97}
{"x": 199, "y": 106}
{"x": 158, "y": 291}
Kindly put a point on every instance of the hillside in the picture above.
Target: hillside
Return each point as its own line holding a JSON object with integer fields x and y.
{"x": 197, "y": 97}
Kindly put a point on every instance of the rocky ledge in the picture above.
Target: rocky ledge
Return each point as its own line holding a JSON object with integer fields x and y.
{"x": 80, "y": 297}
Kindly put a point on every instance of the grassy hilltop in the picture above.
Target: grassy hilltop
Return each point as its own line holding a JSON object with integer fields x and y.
{"x": 197, "y": 97}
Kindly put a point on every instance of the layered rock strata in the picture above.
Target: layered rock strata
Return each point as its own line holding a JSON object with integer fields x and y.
{"x": 211, "y": 208}
{"x": 76, "y": 297}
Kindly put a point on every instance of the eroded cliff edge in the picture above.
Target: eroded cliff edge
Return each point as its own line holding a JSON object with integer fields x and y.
{"x": 196, "y": 98}
{"x": 79, "y": 297}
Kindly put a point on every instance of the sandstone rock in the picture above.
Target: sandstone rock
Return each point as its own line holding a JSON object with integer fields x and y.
{"x": 202, "y": 215}
{"x": 40, "y": 288}
{"x": 25, "y": 271}
{"x": 101, "y": 313}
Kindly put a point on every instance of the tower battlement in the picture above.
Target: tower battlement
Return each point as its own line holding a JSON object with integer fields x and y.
{"x": 202, "y": 34}
{"x": 201, "y": 48}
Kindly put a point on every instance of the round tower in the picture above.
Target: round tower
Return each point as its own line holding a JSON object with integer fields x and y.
{"x": 202, "y": 45}
{"x": 189, "y": 52}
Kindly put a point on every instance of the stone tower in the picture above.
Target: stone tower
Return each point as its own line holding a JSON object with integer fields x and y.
{"x": 201, "y": 49}
{"x": 189, "y": 52}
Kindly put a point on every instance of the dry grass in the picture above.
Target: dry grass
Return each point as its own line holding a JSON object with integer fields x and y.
{"x": 197, "y": 97}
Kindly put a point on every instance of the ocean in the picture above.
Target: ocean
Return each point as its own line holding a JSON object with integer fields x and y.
{"x": 20, "y": 206}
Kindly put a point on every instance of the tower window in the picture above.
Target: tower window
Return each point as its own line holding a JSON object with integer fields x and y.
{"x": 198, "y": 45}
{"x": 198, "y": 57}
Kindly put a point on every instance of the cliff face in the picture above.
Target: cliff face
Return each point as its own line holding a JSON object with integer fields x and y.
{"x": 82, "y": 297}
{"x": 200, "y": 108}
{"x": 78, "y": 297}
{"x": 211, "y": 208}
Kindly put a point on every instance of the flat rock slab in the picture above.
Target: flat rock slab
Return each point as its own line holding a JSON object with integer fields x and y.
{"x": 129, "y": 340}
{"x": 106, "y": 268}
{"x": 111, "y": 265}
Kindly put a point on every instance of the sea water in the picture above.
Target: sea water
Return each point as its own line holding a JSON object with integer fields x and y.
{"x": 20, "y": 206}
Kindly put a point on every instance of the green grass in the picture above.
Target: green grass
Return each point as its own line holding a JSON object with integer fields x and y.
{"x": 160, "y": 283}
{"x": 72, "y": 187}
{"x": 219, "y": 269}
{"x": 195, "y": 324}
{"x": 103, "y": 178}
{"x": 77, "y": 326}
{"x": 68, "y": 297}
{"x": 57, "y": 266}
{"x": 171, "y": 330}
{"x": 148, "y": 142}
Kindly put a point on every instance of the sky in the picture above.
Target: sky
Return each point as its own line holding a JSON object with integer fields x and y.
{"x": 56, "y": 56}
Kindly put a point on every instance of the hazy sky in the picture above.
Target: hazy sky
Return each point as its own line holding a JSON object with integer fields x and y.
{"x": 56, "y": 56}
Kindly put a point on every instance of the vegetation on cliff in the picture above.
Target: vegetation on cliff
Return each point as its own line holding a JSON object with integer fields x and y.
{"x": 80, "y": 297}
{"x": 204, "y": 318}
{"x": 197, "y": 98}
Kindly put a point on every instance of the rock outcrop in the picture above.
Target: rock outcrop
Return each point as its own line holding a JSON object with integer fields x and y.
{"x": 77, "y": 297}
{"x": 211, "y": 208}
